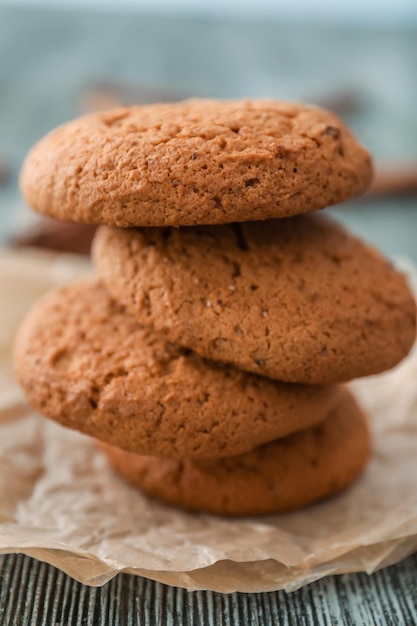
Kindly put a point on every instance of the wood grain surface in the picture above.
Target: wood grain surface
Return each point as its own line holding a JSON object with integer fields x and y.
{"x": 37, "y": 594}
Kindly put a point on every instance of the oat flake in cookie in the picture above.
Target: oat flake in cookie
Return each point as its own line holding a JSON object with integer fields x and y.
{"x": 195, "y": 162}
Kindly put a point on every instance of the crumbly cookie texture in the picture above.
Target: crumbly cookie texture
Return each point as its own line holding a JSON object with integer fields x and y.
{"x": 298, "y": 300}
{"x": 279, "y": 476}
{"x": 195, "y": 162}
{"x": 86, "y": 363}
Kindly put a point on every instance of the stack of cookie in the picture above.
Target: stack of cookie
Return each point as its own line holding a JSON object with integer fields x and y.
{"x": 207, "y": 356}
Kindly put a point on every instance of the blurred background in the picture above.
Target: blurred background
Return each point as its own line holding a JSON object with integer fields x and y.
{"x": 59, "y": 59}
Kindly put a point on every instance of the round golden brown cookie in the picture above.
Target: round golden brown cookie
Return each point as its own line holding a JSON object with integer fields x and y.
{"x": 298, "y": 300}
{"x": 279, "y": 476}
{"x": 195, "y": 162}
{"x": 86, "y": 363}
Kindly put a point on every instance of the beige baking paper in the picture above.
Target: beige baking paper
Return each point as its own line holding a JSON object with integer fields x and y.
{"x": 60, "y": 503}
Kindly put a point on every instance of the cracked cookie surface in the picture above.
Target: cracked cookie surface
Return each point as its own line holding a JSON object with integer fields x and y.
{"x": 86, "y": 363}
{"x": 279, "y": 476}
{"x": 298, "y": 299}
{"x": 195, "y": 162}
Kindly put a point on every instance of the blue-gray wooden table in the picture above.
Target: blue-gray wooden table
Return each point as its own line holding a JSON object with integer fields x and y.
{"x": 49, "y": 61}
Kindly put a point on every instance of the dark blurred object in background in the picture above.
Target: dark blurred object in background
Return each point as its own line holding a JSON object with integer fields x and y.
{"x": 4, "y": 171}
{"x": 103, "y": 96}
{"x": 394, "y": 181}
{"x": 56, "y": 235}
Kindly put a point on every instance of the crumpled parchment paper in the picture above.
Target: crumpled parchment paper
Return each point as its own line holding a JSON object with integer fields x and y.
{"x": 60, "y": 503}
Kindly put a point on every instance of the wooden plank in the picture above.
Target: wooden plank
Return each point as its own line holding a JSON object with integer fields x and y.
{"x": 37, "y": 594}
